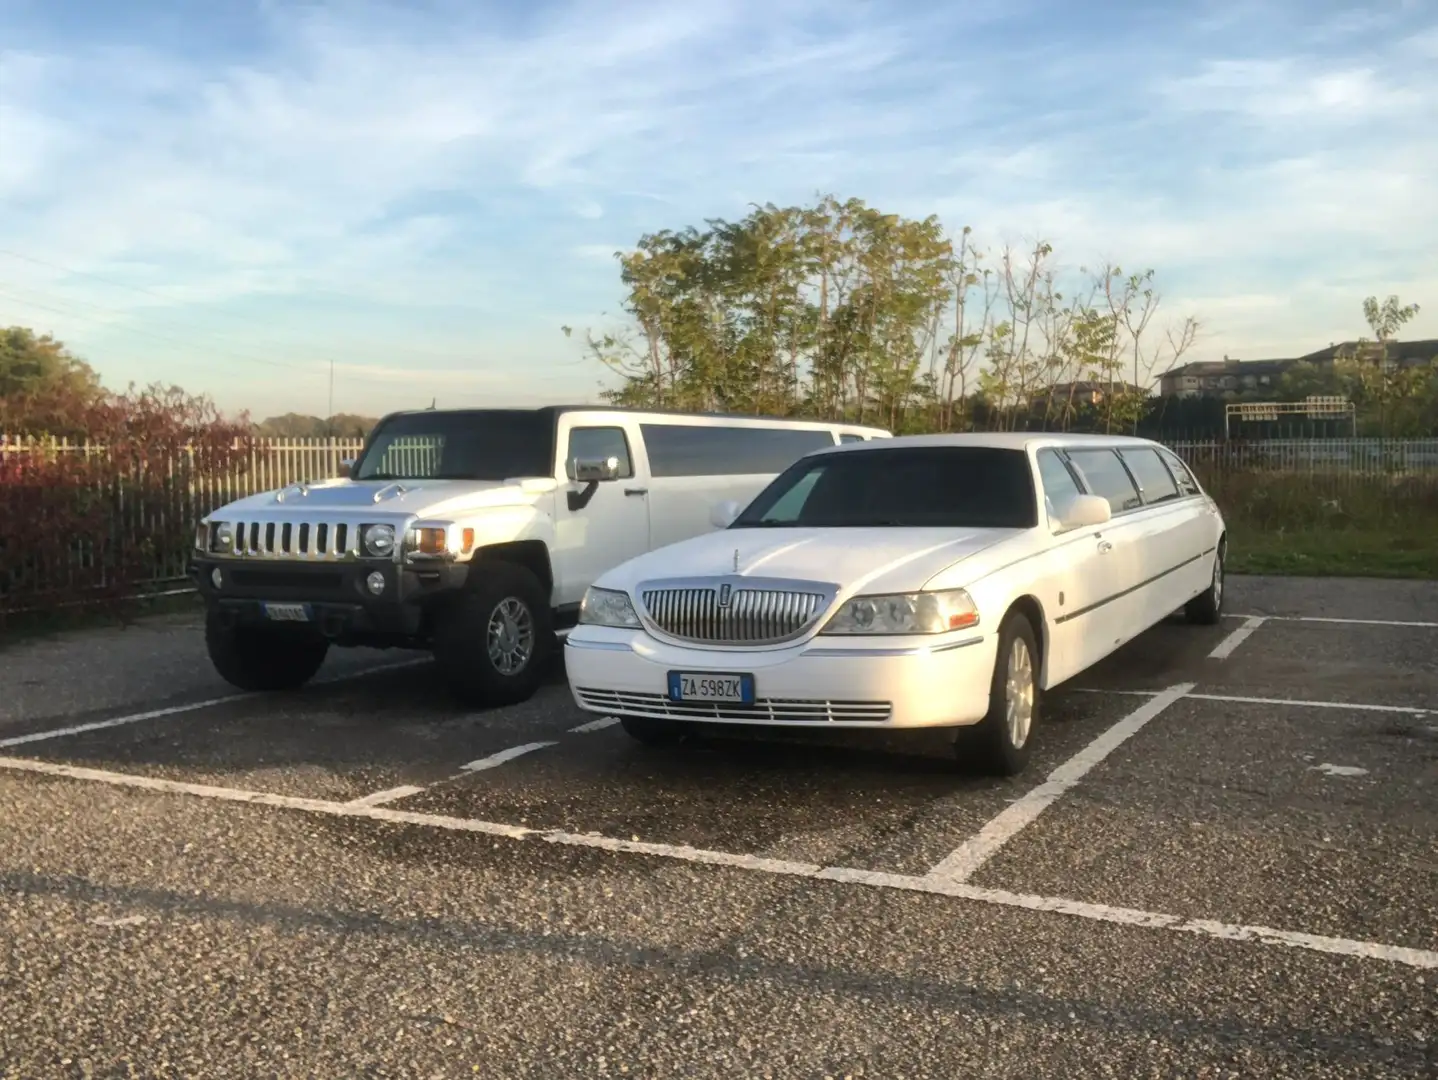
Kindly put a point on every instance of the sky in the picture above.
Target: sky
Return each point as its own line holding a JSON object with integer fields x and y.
{"x": 243, "y": 196}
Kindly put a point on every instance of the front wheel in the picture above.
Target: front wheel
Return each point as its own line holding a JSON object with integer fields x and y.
{"x": 493, "y": 644}
{"x": 1001, "y": 740}
{"x": 1207, "y": 607}
{"x": 263, "y": 658}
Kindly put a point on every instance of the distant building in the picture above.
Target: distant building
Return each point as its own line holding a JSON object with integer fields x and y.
{"x": 1084, "y": 392}
{"x": 1232, "y": 378}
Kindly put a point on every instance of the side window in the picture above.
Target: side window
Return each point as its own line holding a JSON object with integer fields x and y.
{"x": 1187, "y": 485}
{"x": 1105, "y": 475}
{"x": 1059, "y": 484}
{"x": 598, "y": 442}
{"x": 1154, "y": 482}
{"x": 849, "y": 436}
{"x": 707, "y": 450}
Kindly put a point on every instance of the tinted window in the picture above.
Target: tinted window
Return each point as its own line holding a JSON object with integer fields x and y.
{"x": 1187, "y": 485}
{"x": 701, "y": 450}
{"x": 1059, "y": 484}
{"x": 598, "y": 442}
{"x": 1105, "y": 475}
{"x": 849, "y": 436}
{"x": 471, "y": 444}
{"x": 954, "y": 487}
{"x": 1154, "y": 482}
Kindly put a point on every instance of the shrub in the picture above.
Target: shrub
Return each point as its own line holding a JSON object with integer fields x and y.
{"x": 92, "y": 521}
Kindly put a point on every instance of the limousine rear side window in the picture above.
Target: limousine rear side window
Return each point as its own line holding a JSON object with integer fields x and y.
{"x": 1154, "y": 482}
{"x": 599, "y": 442}
{"x": 708, "y": 450}
{"x": 1181, "y": 475}
{"x": 1105, "y": 475}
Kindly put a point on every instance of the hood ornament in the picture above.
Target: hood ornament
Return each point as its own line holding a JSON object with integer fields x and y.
{"x": 736, "y": 560}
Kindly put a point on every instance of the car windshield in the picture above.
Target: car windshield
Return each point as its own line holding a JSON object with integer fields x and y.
{"x": 470, "y": 444}
{"x": 940, "y": 486}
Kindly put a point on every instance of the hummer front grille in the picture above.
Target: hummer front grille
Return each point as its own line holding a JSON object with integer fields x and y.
{"x": 317, "y": 540}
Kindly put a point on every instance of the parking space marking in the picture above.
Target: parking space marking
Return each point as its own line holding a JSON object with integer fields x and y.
{"x": 1307, "y": 704}
{"x": 1224, "y": 649}
{"x": 504, "y": 755}
{"x": 393, "y": 794}
{"x": 964, "y": 861}
{"x": 1233, "y": 932}
{"x": 1332, "y": 619}
{"x": 595, "y": 725}
{"x": 193, "y": 706}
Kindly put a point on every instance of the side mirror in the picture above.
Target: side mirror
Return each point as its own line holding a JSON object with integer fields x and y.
{"x": 596, "y": 470}
{"x": 1084, "y": 511}
{"x": 723, "y": 514}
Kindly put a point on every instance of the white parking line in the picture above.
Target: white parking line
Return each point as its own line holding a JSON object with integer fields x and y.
{"x": 1234, "y": 932}
{"x": 964, "y": 861}
{"x": 193, "y": 706}
{"x": 393, "y": 794}
{"x": 1239, "y": 699}
{"x": 595, "y": 725}
{"x": 1343, "y": 622}
{"x": 1225, "y": 648}
{"x": 503, "y": 756}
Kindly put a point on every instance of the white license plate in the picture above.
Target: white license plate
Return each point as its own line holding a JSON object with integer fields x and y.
{"x": 287, "y": 612}
{"x": 711, "y": 686}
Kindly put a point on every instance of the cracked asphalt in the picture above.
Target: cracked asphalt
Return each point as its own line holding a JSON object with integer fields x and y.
{"x": 168, "y": 934}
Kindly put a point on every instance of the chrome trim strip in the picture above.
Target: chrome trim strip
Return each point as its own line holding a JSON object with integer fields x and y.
{"x": 917, "y": 650}
{"x": 597, "y": 646}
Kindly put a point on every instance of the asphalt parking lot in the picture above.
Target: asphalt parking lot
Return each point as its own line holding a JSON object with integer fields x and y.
{"x": 1222, "y": 862}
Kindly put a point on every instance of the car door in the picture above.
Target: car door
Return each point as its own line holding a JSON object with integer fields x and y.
{"x": 1079, "y": 575}
{"x": 598, "y": 524}
{"x": 1124, "y": 555}
{"x": 1172, "y": 530}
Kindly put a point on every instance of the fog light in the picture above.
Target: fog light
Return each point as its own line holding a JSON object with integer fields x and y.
{"x": 217, "y": 579}
{"x": 375, "y": 582}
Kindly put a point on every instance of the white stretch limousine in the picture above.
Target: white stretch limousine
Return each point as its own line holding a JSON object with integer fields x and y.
{"x": 916, "y": 582}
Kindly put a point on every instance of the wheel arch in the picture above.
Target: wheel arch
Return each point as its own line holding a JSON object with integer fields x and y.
{"x": 1029, "y": 606}
{"x": 533, "y": 555}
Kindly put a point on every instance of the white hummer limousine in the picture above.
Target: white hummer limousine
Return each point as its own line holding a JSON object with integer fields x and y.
{"x": 473, "y": 533}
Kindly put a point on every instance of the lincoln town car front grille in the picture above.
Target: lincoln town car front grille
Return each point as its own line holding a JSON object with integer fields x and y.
{"x": 321, "y": 541}
{"x": 765, "y": 710}
{"x": 729, "y": 615}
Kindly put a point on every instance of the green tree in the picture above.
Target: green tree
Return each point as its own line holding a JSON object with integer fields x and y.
{"x": 36, "y": 365}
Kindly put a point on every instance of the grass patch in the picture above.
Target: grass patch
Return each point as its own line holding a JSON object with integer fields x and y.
{"x": 34, "y": 625}
{"x": 1387, "y": 553}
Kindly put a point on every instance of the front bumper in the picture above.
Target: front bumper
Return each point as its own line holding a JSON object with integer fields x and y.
{"x": 334, "y": 596}
{"x": 824, "y": 682}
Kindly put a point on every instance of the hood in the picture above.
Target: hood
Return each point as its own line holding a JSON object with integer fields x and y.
{"x": 426, "y": 498}
{"x": 859, "y": 559}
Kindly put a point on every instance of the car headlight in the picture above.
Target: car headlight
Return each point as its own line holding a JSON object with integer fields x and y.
{"x": 905, "y": 613}
{"x": 378, "y": 540}
{"x": 607, "y": 607}
{"x": 222, "y": 536}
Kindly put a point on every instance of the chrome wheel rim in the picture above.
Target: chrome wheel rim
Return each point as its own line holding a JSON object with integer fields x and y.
{"x": 510, "y": 636}
{"x": 1019, "y": 693}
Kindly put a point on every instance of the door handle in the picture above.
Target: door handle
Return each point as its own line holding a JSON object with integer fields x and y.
{"x": 636, "y": 491}
{"x": 1105, "y": 546}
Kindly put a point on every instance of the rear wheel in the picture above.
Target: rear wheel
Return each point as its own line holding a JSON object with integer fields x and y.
{"x": 1207, "y": 607}
{"x": 1000, "y": 742}
{"x": 263, "y": 658}
{"x": 493, "y": 644}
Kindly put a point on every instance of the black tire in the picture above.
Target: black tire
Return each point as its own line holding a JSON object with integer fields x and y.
{"x": 651, "y": 731}
{"x": 462, "y": 636}
{"x": 263, "y": 658}
{"x": 990, "y": 743}
{"x": 1206, "y": 609}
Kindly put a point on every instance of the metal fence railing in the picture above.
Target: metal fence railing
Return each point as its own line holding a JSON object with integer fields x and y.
{"x": 160, "y": 526}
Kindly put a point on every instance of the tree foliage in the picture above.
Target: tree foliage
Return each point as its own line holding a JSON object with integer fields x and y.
{"x": 839, "y": 310}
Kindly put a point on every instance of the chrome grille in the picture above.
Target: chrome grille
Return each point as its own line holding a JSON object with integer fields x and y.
{"x": 765, "y": 710}
{"x": 313, "y": 540}
{"x": 752, "y": 616}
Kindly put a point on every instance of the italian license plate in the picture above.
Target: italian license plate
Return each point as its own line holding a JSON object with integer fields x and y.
{"x": 711, "y": 686}
{"x": 287, "y": 612}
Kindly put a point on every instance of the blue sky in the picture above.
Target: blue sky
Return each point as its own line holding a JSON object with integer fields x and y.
{"x": 231, "y": 194}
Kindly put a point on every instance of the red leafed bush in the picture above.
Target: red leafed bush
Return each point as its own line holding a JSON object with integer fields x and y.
{"x": 100, "y": 494}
